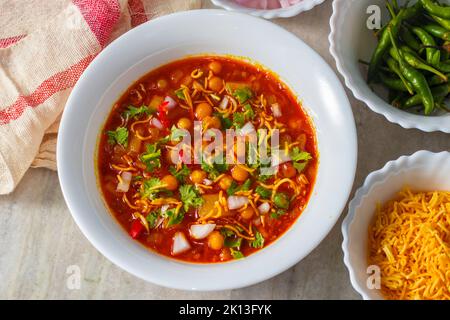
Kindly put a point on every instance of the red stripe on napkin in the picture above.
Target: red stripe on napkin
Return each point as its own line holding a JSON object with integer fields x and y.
{"x": 137, "y": 12}
{"x": 49, "y": 87}
{"x": 100, "y": 15}
{"x": 6, "y": 42}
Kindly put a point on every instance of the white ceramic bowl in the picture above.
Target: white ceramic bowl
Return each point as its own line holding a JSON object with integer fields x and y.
{"x": 423, "y": 170}
{"x": 351, "y": 40}
{"x": 288, "y": 12}
{"x": 158, "y": 42}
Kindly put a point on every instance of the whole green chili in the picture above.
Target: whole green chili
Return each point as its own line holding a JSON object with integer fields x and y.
{"x": 392, "y": 83}
{"x": 393, "y": 66}
{"x": 436, "y": 80}
{"x": 443, "y": 22}
{"x": 409, "y": 39}
{"x": 428, "y": 41}
{"x": 384, "y": 42}
{"x": 435, "y": 9}
{"x": 436, "y": 31}
{"x": 438, "y": 92}
{"x": 414, "y": 60}
{"x": 416, "y": 78}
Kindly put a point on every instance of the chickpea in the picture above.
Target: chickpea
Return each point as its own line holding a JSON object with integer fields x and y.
{"x": 213, "y": 122}
{"x": 203, "y": 110}
{"x": 239, "y": 174}
{"x": 294, "y": 124}
{"x": 215, "y": 240}
{"x": 197, "y": 176}
{"x": 247, "y": 214}
{"x": 288, "y": 170}
{"x": 285, "y": 138}
{"x": 171, "y": 182}
{"x": 225, "y": 182}
{"x": 161, "y": 84}
{"x": 172, "y": 156}
{"x": 176, "y": 76}
{"x": 215, "y": 84}
{"x": 154, "y": 132}
{"x": 215, "y": 67}
{"x": 184, "y": 123}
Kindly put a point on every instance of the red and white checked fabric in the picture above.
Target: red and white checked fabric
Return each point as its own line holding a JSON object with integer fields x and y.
{"x": 44, "y": 48}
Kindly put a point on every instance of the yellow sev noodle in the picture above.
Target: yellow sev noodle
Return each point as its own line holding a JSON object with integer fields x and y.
{"x": 410, "y": 242}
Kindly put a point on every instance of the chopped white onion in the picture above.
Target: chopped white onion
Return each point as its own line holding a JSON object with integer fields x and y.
{"x": 159, "y": 222}
{"x": 236, "y": 202}
{"x": 180, "y": 244}
{"x": 264, "y": 208}
{"x": 207, "y": 182}
{"x": 257, "y": 221}
{"x": 247, "y": 129}
{"x": 276, "y": 110}
{"x": 124, "y": 185}
{"x": 201, "y": 231}
{"x": 171, "y": 103}
{"x": 156, "y": 123}
{"x": 224, "y": 103}
{"x": 164, "y": 208}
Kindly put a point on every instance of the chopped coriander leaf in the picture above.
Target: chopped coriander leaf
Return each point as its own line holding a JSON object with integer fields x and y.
{"x": 300, "y": 166}
{"x": 119, "y": 136}
{"x": 180, "y": 94}
{"x": 258, "y": 242}
{"x": 226, "y": 122}
{"x": 264, "y": 177}
{"x": 190, "y": 197}
{"x": 136, "y": 178}
{"x": 277, "y": 214}
{"x": 248, "y": 112}
{"x": 151, "y": 187}
{"x": 233, "y": 188}
{"x": 236, "y": 254}
{"x": 151, "y": 158}
{"x": 133, "y": 112}
{"x": 152, "y": 218}
{"x": 226, "y": 232}
{"x": 246, "y": 185}
{"x": 173, "y": 217}
{"x": 238, "y": 120}
{"x": 297, "y": 155}
{"x": 164, "y": 140}
{"x": 232, "y": 242}
{"x": 243, "y": 94}
{"x": 177, "y": 134}
{"x": 181, "y": 174}
{"x": 214, "y": 169}
{"x": 300, "y": 159}
{"x": 263, "y": 192}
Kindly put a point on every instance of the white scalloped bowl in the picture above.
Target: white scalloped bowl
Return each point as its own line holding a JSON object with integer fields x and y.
{"x": 288, "y": 12}
{"x": 423, "y": 170}
{"x": 351, "y": 40}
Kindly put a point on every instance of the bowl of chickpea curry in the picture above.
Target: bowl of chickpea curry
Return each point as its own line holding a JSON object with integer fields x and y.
{"x": 198, "y": 162}
{"x": 209, "y": 211}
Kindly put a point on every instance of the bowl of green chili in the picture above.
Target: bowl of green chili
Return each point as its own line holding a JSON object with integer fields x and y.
{"x": 394, "y": 56}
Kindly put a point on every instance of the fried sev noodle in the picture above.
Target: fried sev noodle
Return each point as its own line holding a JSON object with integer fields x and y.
{"x": 409, "y": 241}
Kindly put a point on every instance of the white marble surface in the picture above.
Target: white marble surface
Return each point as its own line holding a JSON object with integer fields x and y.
{"x": 39, "y": 239}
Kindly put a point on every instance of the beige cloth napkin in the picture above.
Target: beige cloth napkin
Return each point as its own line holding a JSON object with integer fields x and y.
{"x": 44, "y": 48}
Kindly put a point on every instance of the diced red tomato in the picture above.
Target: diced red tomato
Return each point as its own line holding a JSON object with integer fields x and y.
{"x": 136, "y": 229}
{"x": 162, "y": 114}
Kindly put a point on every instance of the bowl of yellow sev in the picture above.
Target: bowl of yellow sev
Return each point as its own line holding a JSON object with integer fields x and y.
{"x": 397, "y": 231}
